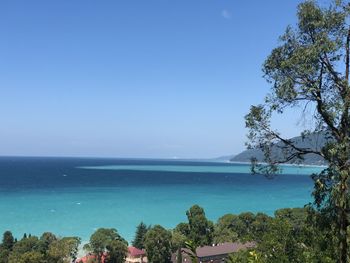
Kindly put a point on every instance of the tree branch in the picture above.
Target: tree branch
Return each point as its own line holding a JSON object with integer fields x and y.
{"x": 289, "y": 143}
{"x": 347, "y": 59}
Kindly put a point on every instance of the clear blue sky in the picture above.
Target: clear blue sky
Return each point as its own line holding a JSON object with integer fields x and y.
{"x": 134, "y": 78}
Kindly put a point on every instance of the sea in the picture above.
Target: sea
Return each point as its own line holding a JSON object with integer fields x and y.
{"x": 76, "y": 196}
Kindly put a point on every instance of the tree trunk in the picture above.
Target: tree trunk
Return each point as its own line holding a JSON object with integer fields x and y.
{"x": 343, "y": 217}
{"x": 343, "y": 244}
{"x": 179, "y": 256}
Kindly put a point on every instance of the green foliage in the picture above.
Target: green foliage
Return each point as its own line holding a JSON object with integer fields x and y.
{"x": 200, "y": 228}
{"x": 141, "y": 231}
{"x": 183, "y": 228}
{"x": 157, "y": 244}
{"x": 260, "y": 226}
{"x": 8, "y": 240}
{"x": 117, "y": 251}
{"x": 6, "y": 246}
{"x": 46, "y": 240}
{"x": 225, "y": 229}
{"x": 63, "y": 250}
{"x": 240, "y": 256}
{"x": 27, "y": 257}
{"x": 297, "y": 235}
{"x": 243, "y": 227}
{"x": 26, "y": 245}
{"x": 104, "y": 239}
{"x": 278, "y": 245}
{"x": 222, "y": 235}
{"x": 191, "y": 251}
{"x": 178, "y": 240}
{"x": 47, "y": 249}
{"x": 310, "y": 69}
{"x": 179, "y": 256}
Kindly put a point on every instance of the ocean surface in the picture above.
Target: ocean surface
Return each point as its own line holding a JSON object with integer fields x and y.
{"x": 75, "y": 196}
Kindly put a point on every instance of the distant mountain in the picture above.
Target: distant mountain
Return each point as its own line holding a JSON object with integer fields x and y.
{"x": 313, "y": 141}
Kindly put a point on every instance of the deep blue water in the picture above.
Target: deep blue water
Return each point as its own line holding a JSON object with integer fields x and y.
{"x": 74, "y": 196}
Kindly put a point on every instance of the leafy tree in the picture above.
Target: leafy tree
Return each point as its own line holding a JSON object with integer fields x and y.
{"x": 260, "y": 226}
{"x": 26, "y": 244}
{"x": 179, "y": 256}
{"x": 318, "y": 234}
{"x": 310, "y": 69}
{"x": 26, "y": 251}
{"x": 200, "y": 228}
{"x": 8, "y": 240}
{"x": 141, "y": 231}
{"x": 46, "y": 240}
{"x": 192, "y": 251}
{"x": 234, "y": 224}
{"x": 183, "y": 228}
{"x": 295, "y": 216}
{"x": 6, "y": 246}
{"x": 279, "y": 245}
{"x": 246, "y": 220}
{"x": 63, "y": 250}
{"x": 178, "y": 240}
{"x": 47, "y": 249}
{"x": 27, "y": 257}
{"x": 103, "y": 240}
{"x": 71, "y": 245}
{"x": 243, "y": 256}
{"x": 222, "y": 235}
{"x": 157, "y": 244}
{"x": 117, "y": 251}
{"x": 4, "y": 255}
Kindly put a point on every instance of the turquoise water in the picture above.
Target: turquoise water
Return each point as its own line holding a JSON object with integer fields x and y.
{"x": 204, "y": 168}
{"x": 76, "y": 196}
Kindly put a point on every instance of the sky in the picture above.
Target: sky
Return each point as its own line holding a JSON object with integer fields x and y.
{"x": 132, "y": 78}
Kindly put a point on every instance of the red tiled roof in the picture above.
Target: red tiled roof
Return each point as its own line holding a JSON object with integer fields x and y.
{"x": 134, "y": 252}
{"x": 88, "y": 257}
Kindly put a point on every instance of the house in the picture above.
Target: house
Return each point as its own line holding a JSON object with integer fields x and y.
{"x": 136, "y": 255}
{"x": 214, "y": 254}
{"x": 90, "y": 258}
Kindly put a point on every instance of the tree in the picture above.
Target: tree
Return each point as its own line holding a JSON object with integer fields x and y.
{"x": 46, "y": 240}
{"x": 117, "y": 251}
{"x": 191, "y": 251}
{"x": 157, "y": 244}
{"x": 47, "y": 249}
{"x": 295, "y": 216}
{"x": 26, "y": 251}
{"x": 63, "y": 250}
{"x": 222, "y": 235}
{"x": 260, "y": 226}
{"x": 8, "y": 240}
{"x": 27, "y": 257}
{"x": 103, "y": 240}
{"x": 279, "y": 244}
{"x": 237, "y": 224}
{"x": 244, "y": 256}
{"x": 6, "y": 246}
{"x": 141, "y": 231}
{"x": 178, "y": 241}
{"x": 183, "y": 228}
{"x": 200, "y": 228}
{"x": 310, "y": 69}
